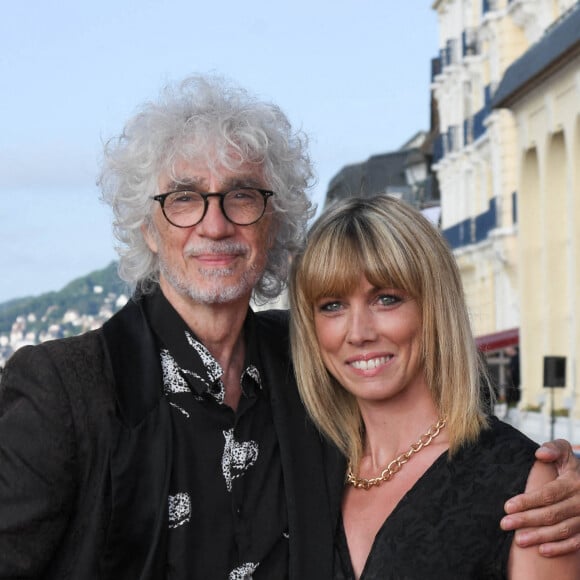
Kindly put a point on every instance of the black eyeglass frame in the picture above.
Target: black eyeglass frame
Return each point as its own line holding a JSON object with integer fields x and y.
{"x": 266, "y": 194}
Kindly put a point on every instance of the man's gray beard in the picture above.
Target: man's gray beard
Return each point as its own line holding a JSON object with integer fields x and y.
{"x": 217, "y": 294}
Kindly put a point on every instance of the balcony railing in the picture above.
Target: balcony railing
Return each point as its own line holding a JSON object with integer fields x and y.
{"x": 448, "y": 54}
{"x": 474, "y": 127}
{"x": 453, "y": 143}
{"x": 473, "y": 229}
{"x": 489, "y": 6}
{"x": 438, "y": 148}
{"x": 486, "y": 222}
{"x": 469, "y": 42}
{"x": 478, "y": 125}
{"x": 488, "y": 94}
{"x": 446, "y": 143}
{"x": 436, "y": 67}
{"x": 468, "y": 131}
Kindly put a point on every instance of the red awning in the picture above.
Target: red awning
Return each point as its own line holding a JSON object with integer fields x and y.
{"x": 498, "y": 340}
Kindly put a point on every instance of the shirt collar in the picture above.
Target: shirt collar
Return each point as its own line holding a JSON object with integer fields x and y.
{"x": 200, "y": 369}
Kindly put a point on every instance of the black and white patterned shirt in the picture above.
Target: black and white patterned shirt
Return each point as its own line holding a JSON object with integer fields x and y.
{"x": 227, "y": 509}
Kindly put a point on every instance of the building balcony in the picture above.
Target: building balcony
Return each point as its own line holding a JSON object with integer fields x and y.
{"x": 438, "y": 148}
{"x": 453, "y": 141}
{"x": 489, "y": 6}
{"x": 468, "y": 131}
{"x": 470, "y": 42}
{"x": 446, "y": 143}
{"x": 478, "y": 123}
{"x": 474, "y": 127}
{"x": 448, "y": 54}
{"x": 489, "y": 91}
{"x": 473, "y": 229}
{"x": 436, "y": 67}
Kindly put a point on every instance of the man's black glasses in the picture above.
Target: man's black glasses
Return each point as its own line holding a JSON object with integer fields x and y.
{"x": 242, "y": 206}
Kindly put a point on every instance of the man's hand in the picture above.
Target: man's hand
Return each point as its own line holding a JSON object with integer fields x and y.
{"x": 549, "y": 517}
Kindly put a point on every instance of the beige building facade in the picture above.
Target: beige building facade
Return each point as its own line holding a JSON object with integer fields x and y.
{"x": 509, "y": 188}
{"x": 542, "y": 92}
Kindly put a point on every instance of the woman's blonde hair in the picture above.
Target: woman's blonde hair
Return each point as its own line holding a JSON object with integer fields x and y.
{"x": 392, "y": 245}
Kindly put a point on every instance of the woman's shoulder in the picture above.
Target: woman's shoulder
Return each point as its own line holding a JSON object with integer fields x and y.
{"x": 500, "y": 449}
{"x": 501, "y": 433}
{"x": 501, "y": 457}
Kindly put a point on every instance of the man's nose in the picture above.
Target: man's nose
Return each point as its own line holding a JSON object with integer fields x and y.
{"x": 214, "y": 223}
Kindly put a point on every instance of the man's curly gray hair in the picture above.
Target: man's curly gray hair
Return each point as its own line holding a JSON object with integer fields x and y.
{"x": 205, "y": 119}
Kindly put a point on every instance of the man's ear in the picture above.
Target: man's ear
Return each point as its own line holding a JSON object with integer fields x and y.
{"x": 147, "y": 229}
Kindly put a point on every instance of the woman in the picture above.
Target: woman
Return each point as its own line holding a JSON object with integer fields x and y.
{"x": 388, "y": 369}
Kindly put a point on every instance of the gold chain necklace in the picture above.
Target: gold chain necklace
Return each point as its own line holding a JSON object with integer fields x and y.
{"x": 397, "y": 463}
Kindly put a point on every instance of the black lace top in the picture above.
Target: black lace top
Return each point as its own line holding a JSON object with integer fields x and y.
{"x": 447, "y": 525}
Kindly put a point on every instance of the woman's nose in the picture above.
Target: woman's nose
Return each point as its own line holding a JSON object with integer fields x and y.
{"x": 361, "y": 326}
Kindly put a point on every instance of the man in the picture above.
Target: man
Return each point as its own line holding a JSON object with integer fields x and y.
{"x": 171, "y": 443}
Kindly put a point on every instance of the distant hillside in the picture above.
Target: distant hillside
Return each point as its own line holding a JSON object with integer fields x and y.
{"x": 85, "y": 295}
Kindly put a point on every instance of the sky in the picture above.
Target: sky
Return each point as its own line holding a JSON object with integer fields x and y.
{"x": 353, "y": 74}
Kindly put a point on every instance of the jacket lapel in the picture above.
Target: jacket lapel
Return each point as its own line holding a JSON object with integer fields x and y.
{"x": 141, "y": 458}
{"x": 309, "y": 464}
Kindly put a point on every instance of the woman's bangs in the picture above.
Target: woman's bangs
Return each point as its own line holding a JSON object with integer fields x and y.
{"x": 383, "y": 270}
{"x": 336, "y": 267}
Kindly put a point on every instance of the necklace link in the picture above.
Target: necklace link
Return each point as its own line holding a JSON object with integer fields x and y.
{"x": 396, "y": 464}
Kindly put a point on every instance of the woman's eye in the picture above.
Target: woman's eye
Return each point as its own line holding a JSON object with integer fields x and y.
{"x": 388, "y": 299}
{"x": 333, "y": 306}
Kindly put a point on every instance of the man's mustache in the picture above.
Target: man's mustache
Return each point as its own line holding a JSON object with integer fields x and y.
{"x": 216, "y": 248}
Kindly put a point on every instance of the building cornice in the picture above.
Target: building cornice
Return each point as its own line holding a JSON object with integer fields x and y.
{"x": 558, "y": 47}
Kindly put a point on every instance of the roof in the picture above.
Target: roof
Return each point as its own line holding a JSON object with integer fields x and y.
{"x": 375, "y": 175}
{"x": 560, "y": 43}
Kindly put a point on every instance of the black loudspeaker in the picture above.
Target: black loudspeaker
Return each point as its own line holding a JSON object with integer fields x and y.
{"x": 554, "y": 371}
